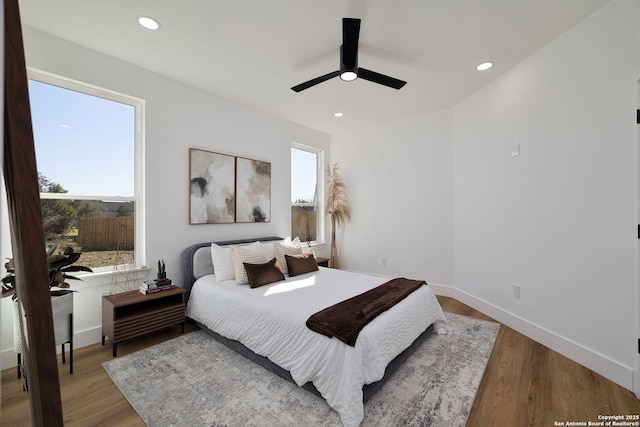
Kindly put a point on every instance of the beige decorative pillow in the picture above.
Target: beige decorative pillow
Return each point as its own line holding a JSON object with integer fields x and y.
{"x": 280, "y": 250}
{"x": 240, "y": 255}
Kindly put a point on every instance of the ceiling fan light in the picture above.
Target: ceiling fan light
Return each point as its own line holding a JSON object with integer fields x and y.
{"x": 348, "y": 76}
{"x": 148, "y": 23}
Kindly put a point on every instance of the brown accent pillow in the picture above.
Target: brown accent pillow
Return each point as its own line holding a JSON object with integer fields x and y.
{"x": 300, "y": 264}
{"x": 263, "y": 274}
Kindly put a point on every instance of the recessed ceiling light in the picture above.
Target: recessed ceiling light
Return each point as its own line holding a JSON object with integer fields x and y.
{"x": 484, "y": 66}
{"x": 148, "y": 23}
{"x": 338, "y": 114}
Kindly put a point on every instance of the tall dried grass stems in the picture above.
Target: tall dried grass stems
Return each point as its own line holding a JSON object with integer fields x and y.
{"x": 337, "y": 206}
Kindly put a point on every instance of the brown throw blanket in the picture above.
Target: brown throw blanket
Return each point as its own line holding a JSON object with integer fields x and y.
{"x": 346, "y": 319}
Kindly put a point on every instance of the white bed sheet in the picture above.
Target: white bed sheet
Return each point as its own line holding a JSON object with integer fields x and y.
{"x": 270, "y": 321}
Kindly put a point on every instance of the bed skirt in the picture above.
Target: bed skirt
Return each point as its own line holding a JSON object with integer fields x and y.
{"x": 368, "y": 390}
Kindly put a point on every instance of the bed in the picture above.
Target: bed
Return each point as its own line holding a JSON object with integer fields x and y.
{"x": 268, "y": 325}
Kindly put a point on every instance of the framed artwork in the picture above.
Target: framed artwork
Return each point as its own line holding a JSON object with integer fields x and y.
{"x": 253, "y": 190}
{"x": 212, "y": 188}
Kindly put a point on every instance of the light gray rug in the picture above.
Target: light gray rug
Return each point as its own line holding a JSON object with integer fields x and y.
{"x": 194, "y": 380}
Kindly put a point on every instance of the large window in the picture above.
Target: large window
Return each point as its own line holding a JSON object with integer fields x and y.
{"x": 306, "y": 193}
{"x": 88, "y": 144}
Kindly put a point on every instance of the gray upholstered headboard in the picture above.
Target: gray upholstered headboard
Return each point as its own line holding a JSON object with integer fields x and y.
{"x": 200, "y": 256}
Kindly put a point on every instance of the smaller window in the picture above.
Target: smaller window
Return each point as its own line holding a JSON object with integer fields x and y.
{"x": 306, "y": 197}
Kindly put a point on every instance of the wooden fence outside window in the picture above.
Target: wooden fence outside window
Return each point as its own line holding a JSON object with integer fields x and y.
{"x": 95, "y": 234}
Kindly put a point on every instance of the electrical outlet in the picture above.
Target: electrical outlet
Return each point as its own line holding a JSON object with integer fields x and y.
{"x": 383, "y": 261}
{"x": 516, "y": 291}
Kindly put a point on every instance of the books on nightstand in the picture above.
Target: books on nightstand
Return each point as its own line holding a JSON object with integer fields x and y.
{"x": 157, "y": 285}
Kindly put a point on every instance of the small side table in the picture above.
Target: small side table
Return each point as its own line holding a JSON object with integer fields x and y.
{"x": 132, "y": 314}
{"x": 323, "y": 262}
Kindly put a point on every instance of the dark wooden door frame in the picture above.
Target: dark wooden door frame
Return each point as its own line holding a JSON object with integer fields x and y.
{"x": 27, "y": 236}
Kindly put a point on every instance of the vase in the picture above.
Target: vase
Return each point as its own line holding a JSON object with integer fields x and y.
{"x": 62, "y": 311}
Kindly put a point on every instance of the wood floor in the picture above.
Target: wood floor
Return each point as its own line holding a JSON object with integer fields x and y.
{"x": 525, "y": 384}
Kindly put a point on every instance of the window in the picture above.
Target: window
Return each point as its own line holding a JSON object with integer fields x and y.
{"x": 306, "y": 193}
{"x": 88, "y": 144}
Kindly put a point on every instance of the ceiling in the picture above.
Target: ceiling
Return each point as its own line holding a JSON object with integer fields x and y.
{"x": 254, "y": 51}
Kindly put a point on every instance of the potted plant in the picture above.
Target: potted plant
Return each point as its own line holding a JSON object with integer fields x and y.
{"x": 59, "y": 265}
{"x": 162, "y": 273}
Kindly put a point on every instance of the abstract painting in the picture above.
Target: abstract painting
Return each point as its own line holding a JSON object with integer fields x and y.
{"x": 212, "y": 188}
{"x": 253, "y": 190}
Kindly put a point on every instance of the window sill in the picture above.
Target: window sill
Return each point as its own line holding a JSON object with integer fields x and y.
{"x": 104, "y": 276}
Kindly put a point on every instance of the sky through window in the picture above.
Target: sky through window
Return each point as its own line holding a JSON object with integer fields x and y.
{"x": 83, "y": 142}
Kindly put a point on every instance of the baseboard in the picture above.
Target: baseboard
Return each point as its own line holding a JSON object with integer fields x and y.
{"x": 9, "y": 359}
{"x": 608, "y": 368}
{"x": 87, "y": 337}
{"x": 442, "y": 290}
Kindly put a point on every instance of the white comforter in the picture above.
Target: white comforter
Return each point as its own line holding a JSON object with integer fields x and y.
{"x": 270, "y": 320}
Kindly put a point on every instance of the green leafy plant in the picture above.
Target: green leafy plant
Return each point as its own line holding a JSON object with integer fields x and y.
{"x": 59, "y": 265}
{"x": 162, "y": 273}
{"x": 307, "y": 238}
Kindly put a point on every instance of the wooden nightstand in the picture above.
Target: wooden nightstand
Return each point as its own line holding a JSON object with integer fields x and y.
{"x": 131, "y": 314}
{"x": 323, "y": 262}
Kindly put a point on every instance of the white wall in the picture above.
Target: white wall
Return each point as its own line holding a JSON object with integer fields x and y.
{"x": 177, "y": 117}
{"x": 399, "y": 177}
{"x": 560, "y": 219}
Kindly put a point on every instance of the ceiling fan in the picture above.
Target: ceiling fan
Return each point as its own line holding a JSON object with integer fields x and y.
{"x": 349, "y": 69}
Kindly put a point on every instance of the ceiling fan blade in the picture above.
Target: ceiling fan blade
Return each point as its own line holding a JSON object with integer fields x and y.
{"x": 372, "y": 76}
{"x": 313, "y": 82}
{"x": 350, "y": 36}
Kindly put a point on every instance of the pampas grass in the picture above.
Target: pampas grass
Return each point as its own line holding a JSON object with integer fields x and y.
{"x": 337, "y": 206}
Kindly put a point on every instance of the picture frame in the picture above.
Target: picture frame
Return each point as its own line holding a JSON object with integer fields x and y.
{"x": 211, "y": 187}
{"x": 253, "y": 190}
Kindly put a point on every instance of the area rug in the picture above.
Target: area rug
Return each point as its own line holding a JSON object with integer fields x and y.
{"x": 193, "y": 380}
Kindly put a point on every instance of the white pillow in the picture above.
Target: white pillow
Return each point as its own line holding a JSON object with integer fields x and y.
{"x": 242, "y": 254}
{"x": 267, "y": 247}
{"x": 288, "y": 242}
{"x": 280, "y": 250}
{"x": 222, "y": 262}
{"x": 223, "y": 266}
